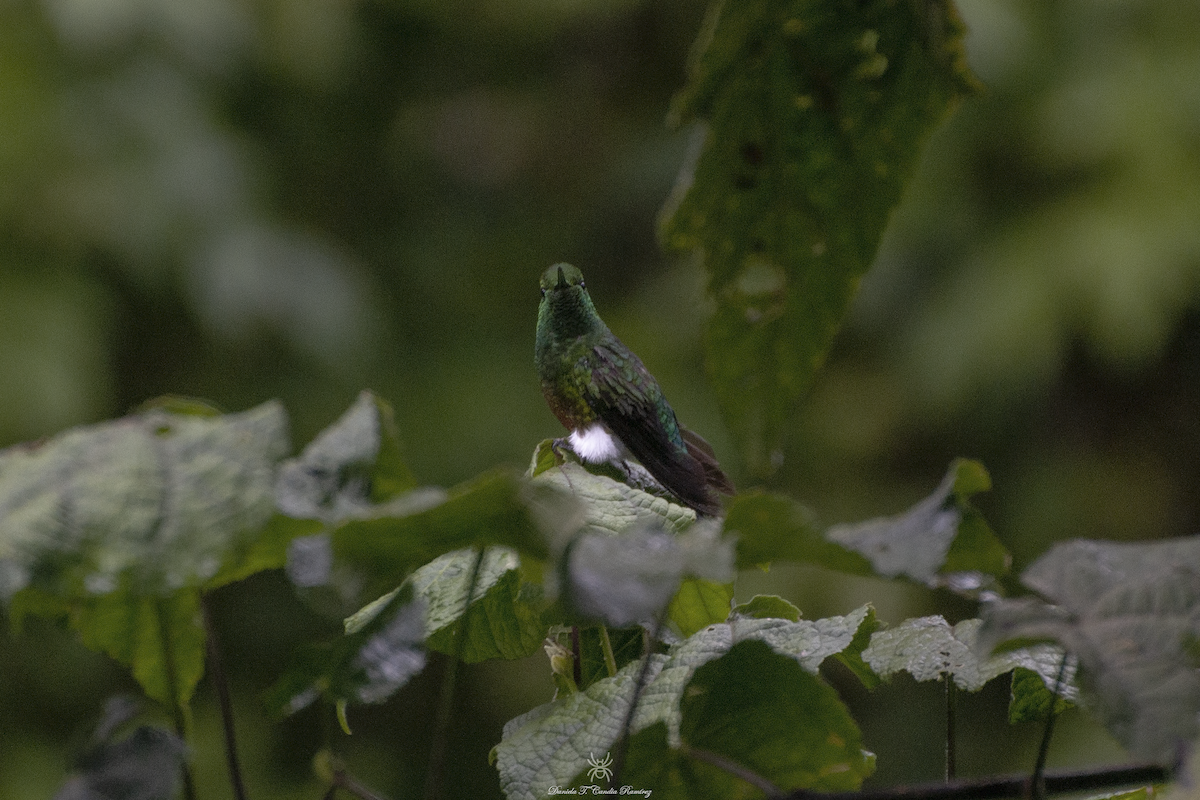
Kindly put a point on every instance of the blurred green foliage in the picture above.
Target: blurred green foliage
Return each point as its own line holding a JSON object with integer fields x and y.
{"x": 247, "y": 199}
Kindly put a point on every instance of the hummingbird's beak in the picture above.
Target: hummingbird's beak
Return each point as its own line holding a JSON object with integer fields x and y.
{"x": 562, "y": 279}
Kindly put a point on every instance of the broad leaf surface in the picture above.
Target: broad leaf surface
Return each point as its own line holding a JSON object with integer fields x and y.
{"x": 929, "y": 648}
{"x": 814, "y": 117}
{"x": 774, "y": 527}
{"x": 550, "y": 745}
{"x": 698, "y": 604}
{"x": 941, "y": 541}
{"x": 784, "y": 723}
{"x": 161, "y": 640}
{"x": 786, "y": 726}
{"x": 123, "y": 524}
{"x": 152, "y": 502}
{"x": 1131, "y": 614}
{"x": 350, "y": 465}
{"x": 504, "y": 616}
{"x": 630, "y": 577}
{"x": 766, "y": 606}
{"x": 381, "y": 651}
{"x": 612, "y": 504}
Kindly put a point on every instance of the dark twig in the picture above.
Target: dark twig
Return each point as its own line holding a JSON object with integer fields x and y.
{"x": 733, "y": 768}
{"x": 1006, "y": 786}
{"x": 445, "y": 714}
{"x": 951, "y": 734}
{"x": 216, "y": 674}
{"x": 1036, "y": 788}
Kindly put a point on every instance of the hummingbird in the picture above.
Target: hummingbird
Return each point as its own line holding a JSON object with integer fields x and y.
{"x": 614, "y": 408}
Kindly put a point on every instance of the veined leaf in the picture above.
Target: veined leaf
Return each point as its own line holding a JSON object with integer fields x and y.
{"x": 161, "y": 640}
{"x": 381, "y": 651}
{"x": 122, "y": 525}
{"x": 929, "y": 648}
{"x": 814, "y": 116}
{"x": 503, "y": 619}
{"x": 1131, "y": 614}
{"x": 350, "y": 465}
{"x": 700, "y": 603}
{"x": 551, "y": 745}
{"x": 151, "y": 503}
{"x": 612, "y": 504}
{"x": 783, "y": 723}
{"x": 941, "y": 541}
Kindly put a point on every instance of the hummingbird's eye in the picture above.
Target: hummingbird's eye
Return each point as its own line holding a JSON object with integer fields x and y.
{"x": 543, "y": 292}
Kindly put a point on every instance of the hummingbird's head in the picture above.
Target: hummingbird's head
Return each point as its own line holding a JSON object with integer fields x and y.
{"x": 566, "y": 308}
{"x": 560, "y": 277}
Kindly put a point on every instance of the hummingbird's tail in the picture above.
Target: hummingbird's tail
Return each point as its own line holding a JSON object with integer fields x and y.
{"x": 715, "y": 479}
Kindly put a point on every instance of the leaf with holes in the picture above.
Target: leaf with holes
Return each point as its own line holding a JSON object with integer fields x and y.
{"x": 814, "y": 116}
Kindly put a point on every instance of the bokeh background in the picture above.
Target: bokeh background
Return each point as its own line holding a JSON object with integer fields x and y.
{"x": 247, "y": 199}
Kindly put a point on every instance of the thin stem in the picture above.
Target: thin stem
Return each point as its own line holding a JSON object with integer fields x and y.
{"x": 735, "y": 769}
{"x": 643, "y": 674}
{"x": 951, "y": 734}
{"x": 178, "y": 713}
{"x": 610, "y": 661}
{"x": 1036, "y": 786}
{"x": 576, "y": 658}
{"x": 216, "y": 674}
{"x": 445, "y": 715}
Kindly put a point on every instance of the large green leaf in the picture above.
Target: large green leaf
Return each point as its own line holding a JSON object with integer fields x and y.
{"x": 1131, "y": 613}
{"x": 815, "y": 114}
{"x": 350, "y": 465}
{"x": 503, "y": 619}
{"x": 151, "y": 502}
{"x": 607, "y": 502}
{"x": 387, "y": 541}
{"x": 787, "y": 728}
{"x": 940, "y": 541}
{"x": 774, "y": 527}
{"x": 161, "y": 639}
{"x": 551, "y": 745}
{"x": 382, "y": 650}
{"x": 783, "y": 723}
{"x": 123, "y": 524}
{"x": 929, "y": 648}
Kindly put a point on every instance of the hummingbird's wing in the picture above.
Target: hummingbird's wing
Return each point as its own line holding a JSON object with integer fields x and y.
{"x": 626, "y": 398}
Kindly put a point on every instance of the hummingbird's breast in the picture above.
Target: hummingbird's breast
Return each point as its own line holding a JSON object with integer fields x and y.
{"x": 564, "y": 371}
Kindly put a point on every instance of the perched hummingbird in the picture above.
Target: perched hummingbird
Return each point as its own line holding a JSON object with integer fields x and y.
{"x": 613, "y": 406}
